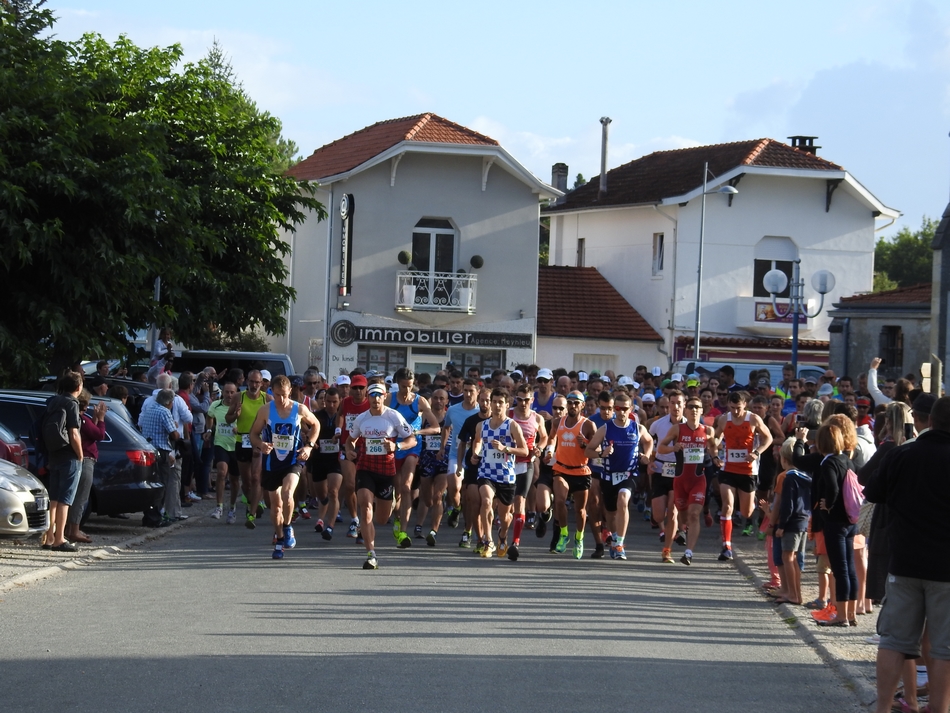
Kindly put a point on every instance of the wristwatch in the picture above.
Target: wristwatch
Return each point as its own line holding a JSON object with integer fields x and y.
{"x": 311, "y": 445}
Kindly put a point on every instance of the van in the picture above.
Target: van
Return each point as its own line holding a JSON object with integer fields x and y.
{"x": 194, "y": 360}
{"x": 743, "y": 370}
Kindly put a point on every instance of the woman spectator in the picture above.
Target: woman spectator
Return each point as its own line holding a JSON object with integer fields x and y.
{"x": 91, "y": 430}
{"x": 710, "y": 413}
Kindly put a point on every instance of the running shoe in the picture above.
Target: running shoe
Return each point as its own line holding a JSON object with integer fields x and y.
{"x": 747, "y": 530}
{"x": 667, "y": 557}
{"x": 249, "y": 522}
{"x": 598, "y": 553}
{"x": 641, "y": 506}
{"x": 327, "y": 533}
{"x": 260, "y": 509}
{"x": 613, "y": 551}
{"x": 686, "y": 559}
{"x": 502, "y": 548}
{"x": 278, "y": 550}
{"x": 403, "y": 541}
{"x": 304, "y": 512}
{"x": 181, "y": 518}
{"x": 488, "y": 549}
{"x": 561, "y": 545}
{"x": 621, "y": 553}
{"x": 319, "y": 526}
{"x": 231, "y": 518}
{"x": 541, "y": 529}
{"x": 548, "y": 514}
{"x": 430, "y": 538}
{"x": 530, "y": 521}
{"x": 354, "y": 530}
{"x": 725, "y": 555}
{"x": 513, "y": 552}
{"x": 193, "y": 496}
{"x": 371, "y": 562}
{"x": 289, "y": 540}
{"x": 217, "y": 512}
{"x": 453, "y": 518}
{"x": 828, "y": 612}
{"x": 761, "y": 535}
{"x": 418, "y": 532}
{"x": 647, "y": 514}
{"x": 464, "y": 542}
{"x": 578, "y": 548}
{"x": 707, "y": 518}
{"x": 339, "y": 517}
{"x": 477, "y": 549}
{"x": 294, "y": 516}
{"x": 680, "y": 538}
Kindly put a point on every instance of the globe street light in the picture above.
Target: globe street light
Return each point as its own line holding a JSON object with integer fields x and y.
{"x": 775, "y": 281}
{"x": 726, "y": 190}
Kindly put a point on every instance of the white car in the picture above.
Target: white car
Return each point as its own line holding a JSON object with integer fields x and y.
{"x": 24, "y": 503}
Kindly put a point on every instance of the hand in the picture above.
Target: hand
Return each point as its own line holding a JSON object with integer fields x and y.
{"x": 823, "y": 505}
{"x": 267, "y": 448}
{"x": 875, "y": 362}
{"x": 778, "y": 532}
{"x": 801, "y": 433}
{"x": 607, "y": 450}
{"x": 751, "y": 458}
{"x": 497, "y": 445}
{"x": 100, "y": 411}
{"x": 391, "y": 446}
{"x": 303, "y": 453}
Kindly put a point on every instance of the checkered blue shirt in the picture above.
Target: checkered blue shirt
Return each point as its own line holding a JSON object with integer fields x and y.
{"x": 156, "y": 423}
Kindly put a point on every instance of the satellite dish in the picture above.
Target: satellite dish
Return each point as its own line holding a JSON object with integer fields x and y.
{"x": 775, "y": 282}
{"x": 823, "y": 282}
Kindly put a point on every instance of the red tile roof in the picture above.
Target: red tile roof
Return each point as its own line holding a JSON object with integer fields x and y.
{"x": 665, "y": 174}
{"x": 755, "y": 342}
{"x": 579, "y": 302}
{"x": 916, "y": 294}
{"x": 349, "y": 152}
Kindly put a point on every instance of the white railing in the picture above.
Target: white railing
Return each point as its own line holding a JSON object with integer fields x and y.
{"x": 435, "y": 291}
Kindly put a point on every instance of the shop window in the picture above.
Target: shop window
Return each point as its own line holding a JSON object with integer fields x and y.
{"x": 382, "y": 359}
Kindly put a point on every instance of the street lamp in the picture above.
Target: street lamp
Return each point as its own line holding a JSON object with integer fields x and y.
{"x": 729, "y": 191}
{"x": 775, "y": 281}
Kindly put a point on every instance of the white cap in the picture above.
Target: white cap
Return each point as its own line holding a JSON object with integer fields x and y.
{"x": 676, "y": 377}
{"x": 635, "y": 385}
{"x": 394, "y": 388}
{"x": 322, "y": 375}
{"x": 625, "y": 381}
{"x": 582, "y": 376}
{"x": 657, "y": 371}
{"x": 389, "y": 379}
{"x": 545, "y": 374}
{"x": 648, "y": 399}
{"x": 342, "y": 379}
{"x": 516, "y": 371}
{"x": 265, "y": 375}
{"x": 826, "y": 390}
{"x": 605, "y": 379}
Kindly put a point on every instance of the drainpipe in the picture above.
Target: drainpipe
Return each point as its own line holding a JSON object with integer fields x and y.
{"x": 847, "y": 345}
{"x": 327, "y": 325}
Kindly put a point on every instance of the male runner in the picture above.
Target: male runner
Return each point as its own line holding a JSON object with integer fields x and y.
{"x": 619, "y": 443}
{"x": 276, "y": 432}
{"x": 689, "y": 442}
{"x": 663, "y": 472}
{"x": 372, "y": 442}
{"x": 222, "y": 433}
{"x": 433, "y": 471}
{"x": 536, "y": 438}
{"x": 413, "y": 409}
{"x": 456, "y": 395}
{"x": 350, "y": 408}
{"x": 745, "y": 437}
{"x": 242, "y": 413}
{"x": 571, "y": 472}
{"x": 497, "y": 443}
{"x": 454, "y": 420}
{"x": 469, "y": 470}
{"x": 595, "y": 505}
{"x": 325, "y": 465}
{"x": 544, "y": 485}
{"x": 544, "y": 397}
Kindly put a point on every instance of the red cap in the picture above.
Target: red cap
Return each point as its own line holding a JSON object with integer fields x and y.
{"x": 358, "y": 380}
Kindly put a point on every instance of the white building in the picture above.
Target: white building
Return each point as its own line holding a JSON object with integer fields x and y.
{"x": 429, "y": 253}
{"x": 643, "y": 233}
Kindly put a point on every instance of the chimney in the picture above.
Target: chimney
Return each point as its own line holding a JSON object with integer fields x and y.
{"x": 805, "y": 143}
{"x": 559, "y": 176}
{"x": 605, "y": 122}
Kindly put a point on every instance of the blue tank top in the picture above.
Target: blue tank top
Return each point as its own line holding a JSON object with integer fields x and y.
{"x": 413, "y": 417}
{"x": 538, "y": 406}
{"x": 626, "y": 443}
{"x": 284, "y": 435}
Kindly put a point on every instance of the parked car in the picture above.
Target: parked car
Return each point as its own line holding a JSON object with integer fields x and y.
{"x": 24, "y": 502}
{"x": 194, "y": 360}
{"x": 12, "y": 448}
{"x": 138, "y": 392}
{"x": 744, "y": 369}
{"x": 124, "y": 480}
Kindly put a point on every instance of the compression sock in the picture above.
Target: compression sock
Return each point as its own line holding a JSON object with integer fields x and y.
{"x": 579, "y": 535}
{"x": 519, "y": 526}
{"x": 725, "y": 524}
{"x": 618, "y": 540}
{"x": 688, "y": 553}
{"x": 563, "y": 531}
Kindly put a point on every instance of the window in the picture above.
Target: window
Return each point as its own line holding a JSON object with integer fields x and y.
{"x": 484, "y": 360}
{"x": 384, "y": 359}
{"x": 762, "y": 267}
{"x": 657, "y": 253}
{"x": 581, "y": 251}
{"x": 595, "y": 362}
{"x": 892, "y": 351}
{"x": 433, "y": 246}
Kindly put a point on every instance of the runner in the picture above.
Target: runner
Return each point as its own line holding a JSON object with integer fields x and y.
{"x": 221, "y": 434}
{"x": 663, "y": 472}
{"x": 535, "y": 435}
{"x": 689, "y": 442}
{"x": 414, "y": 409}
{"x": 571, "y": 472}
{"x": 497, "y": 443}
{"x": 620, "y": 443}
{"x": 454, "y": 420}
{"x": 595, "y": 505}
{"x": 456, "y": 395}
{"x": 745, "y": 436}
{"x": 544, "y": 397}
{"x": 433, "y": 470}
{"x": 372, "y": 444}
{"x": 325, "y": 465}
{"x": 242, "y": 413}
{"x": 469, "y": 470}
{"x": 351, "y": 407}
{"x": 544, "y": 485}
{"x": 276, "y": 432}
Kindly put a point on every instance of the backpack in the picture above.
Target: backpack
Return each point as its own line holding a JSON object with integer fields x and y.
{"x": 853, "y": 493}
{"x": 54, "y": 436}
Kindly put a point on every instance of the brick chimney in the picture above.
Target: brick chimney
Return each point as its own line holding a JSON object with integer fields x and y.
{"x": 559, "y": 176}
{"x": 805, "y": 143}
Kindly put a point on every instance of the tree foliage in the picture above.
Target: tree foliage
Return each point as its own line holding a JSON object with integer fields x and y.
{"x": 580, "y": 180}
{"x": 906, "y": 259}
{"x": 118, "y": 165}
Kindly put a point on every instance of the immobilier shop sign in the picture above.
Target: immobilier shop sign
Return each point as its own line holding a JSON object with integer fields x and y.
{"x": 343, "y": 333}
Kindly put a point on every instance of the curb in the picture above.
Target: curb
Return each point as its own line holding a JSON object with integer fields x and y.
{"x": 91, "y": 556}
{"x": 865, "y": 692}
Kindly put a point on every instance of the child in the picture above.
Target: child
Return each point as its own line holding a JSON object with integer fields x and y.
{"x": 792, "y": 523}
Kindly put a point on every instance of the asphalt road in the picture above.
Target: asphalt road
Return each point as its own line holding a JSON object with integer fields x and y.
{"x": 203, "y": 619}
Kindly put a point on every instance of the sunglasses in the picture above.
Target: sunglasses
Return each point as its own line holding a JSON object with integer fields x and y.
{"x": 311, "y": 383}
{"x": 522, "y": 399}
{"x": 557, "y": 408}
{"x": 542, "y": 381}
{"x": 621, "y": 409}
{"x": 357, "y": 388}
{"x": 695, "y": 407}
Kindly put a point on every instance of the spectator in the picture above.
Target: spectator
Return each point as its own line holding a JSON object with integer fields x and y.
{"x": 159, "y": 428}
{"x": 64, "y": 462}
{"x": 794, "y": 510}
{"x": 91, "y": 431}
{"x": 163, "y": 353}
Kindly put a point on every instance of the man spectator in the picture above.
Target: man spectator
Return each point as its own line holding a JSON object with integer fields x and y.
{"x": 845, "y": 388}
{"x": 159, "y": 428}
{"x": 727, "y": 379}
{"x": 97, "y": 386}
{"x": 810, "y": 387}
{"x": 912, "y": 482}
{"x": 64, "y": 458}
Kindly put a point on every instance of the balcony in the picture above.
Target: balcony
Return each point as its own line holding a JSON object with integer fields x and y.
{"x": 435, "y": 292}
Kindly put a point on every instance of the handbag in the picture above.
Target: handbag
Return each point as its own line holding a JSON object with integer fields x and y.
{"x": 864, "y": 518}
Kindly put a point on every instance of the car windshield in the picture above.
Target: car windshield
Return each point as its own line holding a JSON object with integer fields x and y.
{"x": 7, "y": 435}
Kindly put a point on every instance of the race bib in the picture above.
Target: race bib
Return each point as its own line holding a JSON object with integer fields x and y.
{"x": 694, "y": 456}
{"x": 494, "y": 456}
{"x": 617, "y": 478}
{"x": 433, "y": 443}
{"x": 246, "y": 440}
{"x": 669, "y": 470}
{"x": 225, "y": 430}
{"x": 328, "y": 445}
{"x": 350, "y": 420}
{"x": 282, "y": 442}
{"x": 736, "y": 456}
{"x": 376, "y": 447}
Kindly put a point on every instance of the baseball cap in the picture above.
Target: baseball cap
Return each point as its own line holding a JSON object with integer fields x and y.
{"x": 828, "y": 390}
{"x": 322, "y": 375}
{"x": 518, "y": 372}
{"x": 692, "y": 382}
{"x": 265, "y": 375}
{"x": 95, "y": 381}
{"x": 649, "y": 399}
{"x": 297, "y": 381}
{"x": 924, "y": 404}
{"x": 358, "y": 380}
{"x": 665, "y": 383}
{"x": 676, "y": 377}
{"x": 634, "y": 385}
{"x": 343, "y": 379}
{"x": 575, "y": 396}
{"x": 582, "y": 376}
{"x": 764, "y": 382}
{"x": 624, "y": 381}
{"x": 374, "y": 389}
{"x": 811, "y": 380}
{"x": 545, "y": 374}
{"x": 605, "y": 379}
{"x": 657, "y": 371}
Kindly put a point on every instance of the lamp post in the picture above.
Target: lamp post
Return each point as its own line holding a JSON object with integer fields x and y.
{"x": 729, "y": 191}
{"x": 775, "y": 281}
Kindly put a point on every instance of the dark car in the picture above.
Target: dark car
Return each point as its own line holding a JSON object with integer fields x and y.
{"x": 124, "y": 479}
{"x": 12, "y": 448}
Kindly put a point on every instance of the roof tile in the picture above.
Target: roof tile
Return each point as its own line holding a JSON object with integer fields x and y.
{"x": 579, "y": 302}
{"x": 915, "y": 294}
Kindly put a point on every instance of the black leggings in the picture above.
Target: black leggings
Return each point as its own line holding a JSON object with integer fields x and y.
{"x": 839, "y": 543}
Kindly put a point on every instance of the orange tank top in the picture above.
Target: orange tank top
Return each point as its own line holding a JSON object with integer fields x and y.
{"x": 569, "y": 458}
{"x": 740, "y": 441}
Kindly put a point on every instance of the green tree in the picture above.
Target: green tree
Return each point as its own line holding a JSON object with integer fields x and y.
{"x": 580, "y": 180}
{"x": 118, "y": 165}
{"x": 906, "y": 259}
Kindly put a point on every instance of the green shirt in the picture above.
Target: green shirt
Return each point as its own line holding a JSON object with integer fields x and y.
{"x": 223, "y": 431}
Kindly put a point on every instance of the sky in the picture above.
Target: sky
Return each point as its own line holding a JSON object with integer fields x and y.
{"x": 870, "y": 79}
